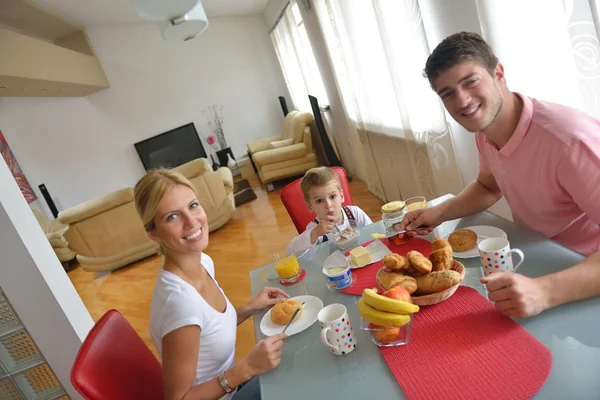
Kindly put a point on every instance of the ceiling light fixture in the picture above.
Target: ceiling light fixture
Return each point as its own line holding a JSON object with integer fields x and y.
{"x": 177, "y": 20}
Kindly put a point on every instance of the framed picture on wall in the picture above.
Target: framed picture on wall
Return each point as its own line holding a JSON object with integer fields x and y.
{"x": 14, "y": 167}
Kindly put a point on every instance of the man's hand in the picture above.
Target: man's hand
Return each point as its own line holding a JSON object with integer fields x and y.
{"x": 517, "y": 295}
{"x": 429, "y": 217}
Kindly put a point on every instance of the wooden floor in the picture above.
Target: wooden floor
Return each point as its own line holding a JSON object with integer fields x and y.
{"x": 257, "y": 230}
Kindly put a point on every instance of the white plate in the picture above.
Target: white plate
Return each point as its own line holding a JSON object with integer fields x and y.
{"x": 377, "y": 249}
{"x": 309, "y": 316}
{"x": 483, "y": 232}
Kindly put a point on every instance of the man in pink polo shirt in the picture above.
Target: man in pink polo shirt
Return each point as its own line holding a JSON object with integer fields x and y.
{"x": 543, "y": 158}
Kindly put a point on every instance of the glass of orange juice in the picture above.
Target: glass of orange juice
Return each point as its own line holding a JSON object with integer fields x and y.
{"x": 287, "y": 267}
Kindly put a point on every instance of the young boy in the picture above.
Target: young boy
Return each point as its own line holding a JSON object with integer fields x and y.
{"x": 323, "y": 195}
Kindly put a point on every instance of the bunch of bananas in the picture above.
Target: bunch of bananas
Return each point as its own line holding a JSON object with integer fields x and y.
{"x": 385, "y": 311}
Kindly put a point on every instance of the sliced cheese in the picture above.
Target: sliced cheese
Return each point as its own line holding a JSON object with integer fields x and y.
{"x": 378, "y": 236}
{"x": 360, "y": 256}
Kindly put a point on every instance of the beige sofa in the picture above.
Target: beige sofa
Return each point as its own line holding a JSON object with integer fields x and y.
{"x": 54, "y": 231}
{"x": 279, "y": 163}
{"x": 214, "y": 188}
{"x": 106, "y": 232}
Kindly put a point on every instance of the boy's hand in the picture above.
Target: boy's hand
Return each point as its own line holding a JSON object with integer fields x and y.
{"x": 326, "y": 225}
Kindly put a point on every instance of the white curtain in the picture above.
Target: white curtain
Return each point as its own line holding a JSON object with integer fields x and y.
{"x": 378, "y": 49}
{"x": 297, "y": 59}
{"x": 549, "y": 48}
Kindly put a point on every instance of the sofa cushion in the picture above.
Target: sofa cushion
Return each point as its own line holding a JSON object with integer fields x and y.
{"x": 282, "y": 143}
{"x": 272, "y": 156}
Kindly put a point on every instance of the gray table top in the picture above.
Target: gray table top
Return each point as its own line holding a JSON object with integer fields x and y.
{"x": 309, "y": 371}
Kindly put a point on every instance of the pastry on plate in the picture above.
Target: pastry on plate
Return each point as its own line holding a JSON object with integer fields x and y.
{"x": 395, "y": 262}
{"x": 283, "y": 311}
{"x": 388, "y": 279}
{"x": 462, "y": 240}
{"x": 419, "y": 261}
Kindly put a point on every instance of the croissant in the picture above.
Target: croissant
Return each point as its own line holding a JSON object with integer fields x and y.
{"x": 389, "y": 279}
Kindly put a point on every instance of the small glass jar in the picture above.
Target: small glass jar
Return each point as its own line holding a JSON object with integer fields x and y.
{"x": 392, "y": 213}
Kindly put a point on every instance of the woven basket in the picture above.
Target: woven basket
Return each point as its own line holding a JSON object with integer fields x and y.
{"x": 434, "y": 298}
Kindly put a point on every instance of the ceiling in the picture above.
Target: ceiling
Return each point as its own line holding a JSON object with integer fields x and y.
{"x": 106, "y": 12}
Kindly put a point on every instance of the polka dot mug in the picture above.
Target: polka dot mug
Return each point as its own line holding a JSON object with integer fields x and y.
{"x": 336, "y": 332}
{"x": 496, "y": 255}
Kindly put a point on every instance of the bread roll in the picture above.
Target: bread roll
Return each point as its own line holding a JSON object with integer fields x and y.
{"x": 439, "y": 243}
{"x": 441, "y": 259}
{"x": 437, "y": 281}
{"x": 419, "y": 261}
{"x": 395, "y": 262}
{"x": 283, "y": 311}
{"x": 388, "y": 279}
{"x": 462, "y": 240}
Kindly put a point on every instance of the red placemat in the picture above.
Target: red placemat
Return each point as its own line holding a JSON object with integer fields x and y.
{"x": 366, "y": 277}
{"x": 463, "y": 348}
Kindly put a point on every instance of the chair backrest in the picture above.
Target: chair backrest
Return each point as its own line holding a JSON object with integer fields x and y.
{"x": 287, "y": 128}
{"x": 293, "y": 200}
{"x": 114, "y": 363}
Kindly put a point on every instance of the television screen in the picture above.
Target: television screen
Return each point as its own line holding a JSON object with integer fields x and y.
{"x": 171, "y": 149}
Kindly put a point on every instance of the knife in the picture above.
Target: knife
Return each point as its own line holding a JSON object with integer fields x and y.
{"x": 294, "y": 315}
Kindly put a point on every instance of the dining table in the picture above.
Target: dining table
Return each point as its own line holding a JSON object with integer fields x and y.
{"x": 309, "y": 371}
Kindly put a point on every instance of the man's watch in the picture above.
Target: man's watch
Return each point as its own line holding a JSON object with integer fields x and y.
{"x": 224, "y": 383}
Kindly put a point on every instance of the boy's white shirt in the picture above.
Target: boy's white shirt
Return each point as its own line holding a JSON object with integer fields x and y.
{"x": 302, "y": 242}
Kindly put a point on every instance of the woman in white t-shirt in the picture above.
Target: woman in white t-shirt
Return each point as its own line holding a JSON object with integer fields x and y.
{"x": 192, "y": 323}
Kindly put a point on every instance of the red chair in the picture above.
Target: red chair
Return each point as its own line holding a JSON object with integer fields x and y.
{"x": 114, "y": 363}
{"x": 293, "y": 200}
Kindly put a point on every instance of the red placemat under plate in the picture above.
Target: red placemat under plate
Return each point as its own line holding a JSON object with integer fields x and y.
{"x": 464, "y": 348}
{"x": 366, "y": 277}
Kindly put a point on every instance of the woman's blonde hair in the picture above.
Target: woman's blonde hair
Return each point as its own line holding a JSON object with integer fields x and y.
{"x": 151, "y": 188}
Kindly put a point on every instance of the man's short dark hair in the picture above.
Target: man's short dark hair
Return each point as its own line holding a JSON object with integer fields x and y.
{"x": 456, "y": 49}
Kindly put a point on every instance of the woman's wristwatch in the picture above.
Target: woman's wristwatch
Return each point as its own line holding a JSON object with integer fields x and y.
{"x": 224, "y": 384}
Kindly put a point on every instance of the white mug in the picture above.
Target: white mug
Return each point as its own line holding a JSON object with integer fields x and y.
{"x": 336, "y": 331}
{"x": 495, "y": 255}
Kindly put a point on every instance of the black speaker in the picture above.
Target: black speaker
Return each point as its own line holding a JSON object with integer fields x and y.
{"x": 46, "y": 195}
{"x": 332, "y": 158}
{"x": 284, "y": 106}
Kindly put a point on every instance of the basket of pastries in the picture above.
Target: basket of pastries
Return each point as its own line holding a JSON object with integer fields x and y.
{"x": 429, "y": 280}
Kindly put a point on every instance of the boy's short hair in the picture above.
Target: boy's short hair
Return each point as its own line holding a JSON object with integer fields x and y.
{"x": 456, "y": 49}
{"x": 319, "y": 176}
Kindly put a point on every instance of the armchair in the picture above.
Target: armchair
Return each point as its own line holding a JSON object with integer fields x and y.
{"x": 279, "y": 163}
{"x": 214, "y": 188}
{"x": 106, "y": 232}
{"x": 54, "y": 231}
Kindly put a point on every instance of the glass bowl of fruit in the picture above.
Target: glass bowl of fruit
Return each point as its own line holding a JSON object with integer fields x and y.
{"x": 387, "y": 336}
{"x": 387, "y": 318}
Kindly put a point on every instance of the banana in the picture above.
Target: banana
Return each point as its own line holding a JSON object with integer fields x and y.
{"x": 386, "y": 304}
{"x": 381, "y": 318}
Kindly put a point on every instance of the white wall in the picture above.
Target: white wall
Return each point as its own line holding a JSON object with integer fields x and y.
{"x": 442, "y": 18}
{"x": 82, "y": 148}
{"x": 273, "y": 10}
{"x": 36, "y": 284}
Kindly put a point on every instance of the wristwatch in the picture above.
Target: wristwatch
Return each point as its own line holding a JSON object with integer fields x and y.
{"x": 224, "y": 383}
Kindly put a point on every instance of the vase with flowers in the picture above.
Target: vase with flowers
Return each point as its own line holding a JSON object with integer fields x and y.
{"x": 214, "y": 116}
{"x": 212, "y": 142}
